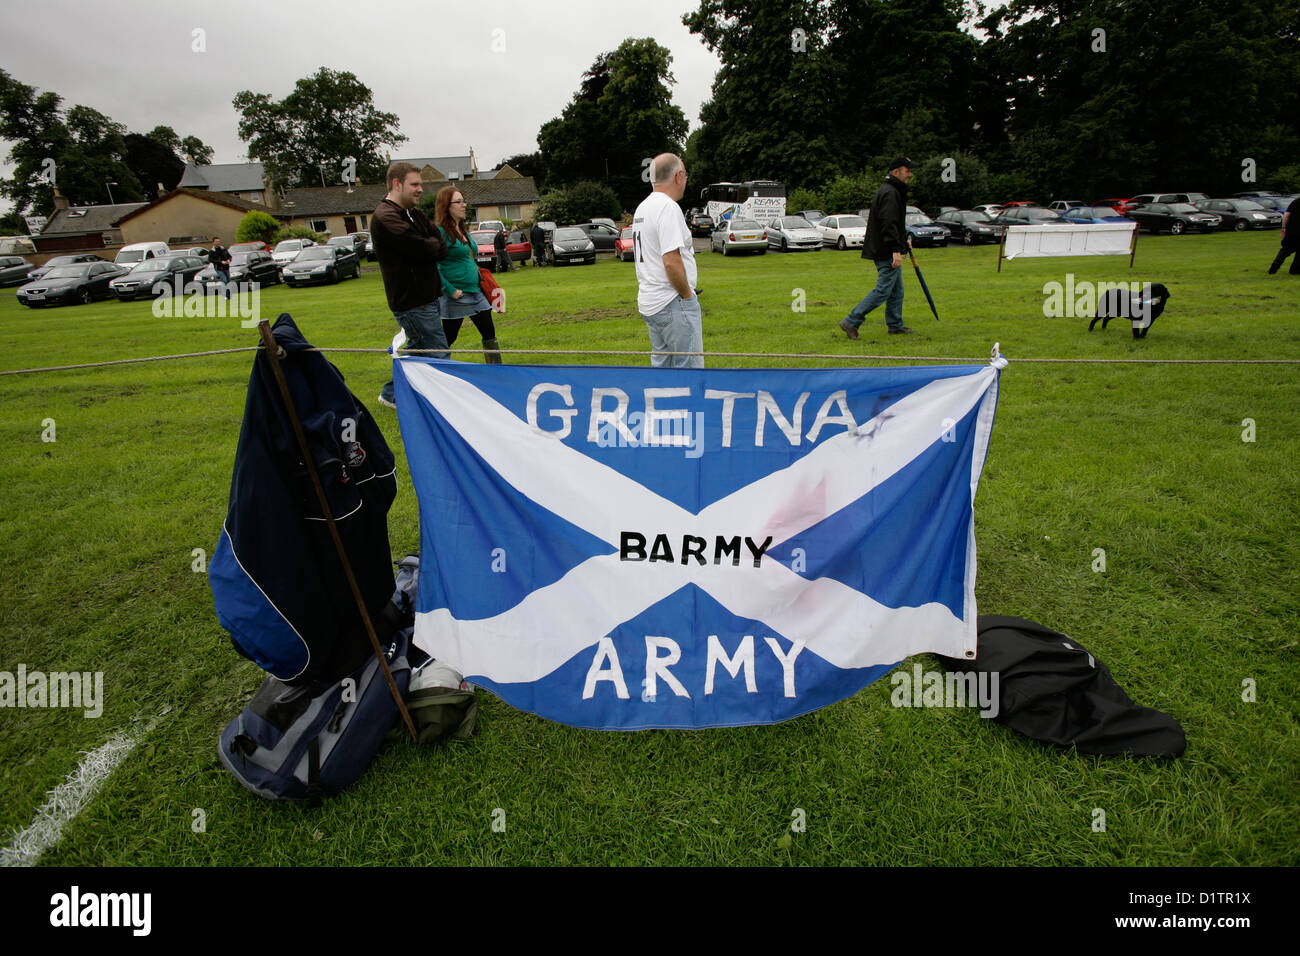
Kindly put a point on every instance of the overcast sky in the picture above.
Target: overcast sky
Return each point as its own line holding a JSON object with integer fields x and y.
{"x": 429, "y": 61}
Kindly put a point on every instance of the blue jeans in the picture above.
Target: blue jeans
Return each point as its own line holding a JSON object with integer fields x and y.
{"x": 677, "y": 327}
{"x": 224, "y": 276}
{"x": 889, "y": 290}
{"x": 423, "y": 327}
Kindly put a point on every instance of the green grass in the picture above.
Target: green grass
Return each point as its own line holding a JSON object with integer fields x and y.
{"x": 1147, "y": 462}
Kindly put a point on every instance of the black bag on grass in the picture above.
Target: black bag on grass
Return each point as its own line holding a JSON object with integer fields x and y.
{"x": 1052, "y": 690}
{"x": 312, "y": 740}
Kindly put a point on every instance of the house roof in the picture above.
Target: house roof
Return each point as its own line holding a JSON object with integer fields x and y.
{"x": 336, "y": 200}
{"x": 233, "y": 202}
{"x": 76, "y": 220}
{"x": 225, "y": 178}
{"x": 446, "y": 165}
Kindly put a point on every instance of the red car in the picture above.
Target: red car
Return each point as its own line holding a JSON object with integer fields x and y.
{"x": 1019, "y": 202}
{"x": 517, "y": 245}
{"x": 623, "y": 244}
{"x": 1121, "y": 206}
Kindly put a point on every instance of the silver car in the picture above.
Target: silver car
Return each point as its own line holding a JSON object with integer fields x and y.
{"x": 737, "y": 234}
{"x": 793, "y": 232}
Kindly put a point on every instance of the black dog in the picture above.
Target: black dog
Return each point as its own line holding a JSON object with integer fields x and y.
{"x": 1141, "y": 310}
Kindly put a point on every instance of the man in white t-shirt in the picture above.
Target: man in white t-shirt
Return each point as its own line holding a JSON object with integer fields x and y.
{"x": 665, "y": 269}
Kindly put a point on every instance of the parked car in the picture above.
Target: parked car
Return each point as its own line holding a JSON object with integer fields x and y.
{"x": 200, "y": 252}
{"x": 972, "y": 226}
{"x": 843, "y": 232}
{"x": 14, "y": 270}
{"x": 352, "y": 242}
{"x": 989, "y": 208}
{"x": 286, "y": 250}
{"x": 1063, "y": 205}
{"x": 57, "y": 261}
{"x": 1121, "y": 206}
{"x": 924, "y": 231}
{"x": 370, "y": 244}
{"x": 1030, "y": 216}
{"x": 79, "y": 282}
{"x": 625, "y": 246}
{"x": 321, "y": 264}
{"x": 1254, "y": 194}
{"x": 1092, "y": 214}
{"x": 138, "y": 252}
{"x": 1146, "y": 199}
{"x": 1241, "y": 214}
{"x": 736, "y": 235}
{"x": 1020, "y": 202}
{"x": 1176, "y": 217}
{"x": 700, "y": 222}
{"x": 607, "y": 222}
{"x": 149, "y": 277}
{"x": 256, "y": 268}
{"x": 257, "y": 246}
{"x": 793, "y": 232}
{"x": 485, "y": 254}
{"x": 1276, "y": 203}
{"x": 602, "y": 235}
{"x": 814, "y": 216}
{"x": 571, "y": 244}
{"x": 489, "y": 225}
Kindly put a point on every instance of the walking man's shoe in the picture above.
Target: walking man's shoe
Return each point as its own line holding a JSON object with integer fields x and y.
{"x": 849, "y": 330}
{"x": 902, "y": 330}
{"x": 386, "y": 403}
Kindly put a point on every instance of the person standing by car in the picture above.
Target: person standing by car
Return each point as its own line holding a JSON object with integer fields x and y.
{"x": 886, "y": 242}
{"x": 503, "y": 255}
{"x": 461, "y": 294}
{"x": 219, "y": 259}
{"x": 537, "y": 236}
{"x": 1290, "y": 240}
{"x": 664, "y": 254}
{"x": 409, "y": 248}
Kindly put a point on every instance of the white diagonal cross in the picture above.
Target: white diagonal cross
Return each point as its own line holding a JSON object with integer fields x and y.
{"x": 841, "y": 624}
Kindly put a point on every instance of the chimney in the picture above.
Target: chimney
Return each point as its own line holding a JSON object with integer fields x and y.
{"x": 60, "y": 201}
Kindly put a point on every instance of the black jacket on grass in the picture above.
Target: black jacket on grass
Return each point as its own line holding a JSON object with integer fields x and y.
{"x": 276, "y": 578}
{"x": 1052, "y": 690}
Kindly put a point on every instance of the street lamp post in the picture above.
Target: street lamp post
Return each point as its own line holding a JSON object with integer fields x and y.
{"x": 110, "y": 186}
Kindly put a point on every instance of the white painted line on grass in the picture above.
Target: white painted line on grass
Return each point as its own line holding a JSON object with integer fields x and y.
{"x": 66, "y": 801}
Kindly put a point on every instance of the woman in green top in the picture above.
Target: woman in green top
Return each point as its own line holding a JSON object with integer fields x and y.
{"x": 461, "y": 295}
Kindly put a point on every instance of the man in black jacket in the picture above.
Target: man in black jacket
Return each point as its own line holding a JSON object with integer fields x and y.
{"x": 886, "y": 243}
{"x": 219, "y": 259}
{"x": 1290, "y": 239}
{"x": 537, "y": 236}
{"x": 408, "y": 248}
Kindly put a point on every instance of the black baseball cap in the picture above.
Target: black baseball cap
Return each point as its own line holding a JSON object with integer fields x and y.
{"x": 901, "y": 161}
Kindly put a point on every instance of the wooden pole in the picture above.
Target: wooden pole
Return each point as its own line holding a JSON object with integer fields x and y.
{"x": 274, "y": 354}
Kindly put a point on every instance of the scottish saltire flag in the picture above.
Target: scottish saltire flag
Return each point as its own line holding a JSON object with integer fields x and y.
{"x": 627, "y": 548}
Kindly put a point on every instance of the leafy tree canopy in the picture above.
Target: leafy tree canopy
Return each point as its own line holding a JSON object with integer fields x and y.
{"x": 307, "y": 136}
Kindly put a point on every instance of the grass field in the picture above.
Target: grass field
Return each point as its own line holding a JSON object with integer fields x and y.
{"x": 1145, "y": 461}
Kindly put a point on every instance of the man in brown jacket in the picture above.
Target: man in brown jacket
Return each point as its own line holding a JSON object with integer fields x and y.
{"x": 408, "y": 248}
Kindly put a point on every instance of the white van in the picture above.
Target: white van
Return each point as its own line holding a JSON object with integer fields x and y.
{"x": 138, "y": 252}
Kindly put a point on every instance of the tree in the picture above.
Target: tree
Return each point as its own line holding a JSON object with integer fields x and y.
{"x": 306, "y": 137}
{"x": 579, "y": 203}
{"x": 196, "y": 151}
{"x": 257, "y": 226}
{"x": 527, "y": 164}
{"x": 34, "y": 125}
{"x": 1112, "y": 95}
{"x": 621, "y": 116}
{"x": 152, "y": 163}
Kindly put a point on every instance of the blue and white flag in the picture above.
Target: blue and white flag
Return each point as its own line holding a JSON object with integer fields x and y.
{"x": 627, "y": 548}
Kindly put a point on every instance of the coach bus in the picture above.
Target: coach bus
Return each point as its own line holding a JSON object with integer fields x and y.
{"x": 760, "y": 199}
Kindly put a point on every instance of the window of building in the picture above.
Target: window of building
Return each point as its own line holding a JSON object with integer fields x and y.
{"x": 255, "y": 197}
{"x": 510, "y": 212}
{"x": 363, "y": 222}
{"x": 318, "y": 225}
{"x": 349, "y": 224}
